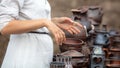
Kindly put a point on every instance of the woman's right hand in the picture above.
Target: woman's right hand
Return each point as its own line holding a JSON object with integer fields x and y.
{"x": 58, "y": 34}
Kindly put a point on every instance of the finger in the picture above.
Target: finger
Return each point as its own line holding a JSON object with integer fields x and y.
{"x": 78, "y": 24}
{"x": 76, "y": 29}
{"x": 64, "y": 37}
{"x": 56, "y": 39}
{"x": 70, "y": 31}
{"x": 67, "y": 19}
{"x": 74, "y": 32}
{"x": 61, "y": 38}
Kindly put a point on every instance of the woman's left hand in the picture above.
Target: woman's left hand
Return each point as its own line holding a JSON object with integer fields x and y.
{"x": 67, "y": 24}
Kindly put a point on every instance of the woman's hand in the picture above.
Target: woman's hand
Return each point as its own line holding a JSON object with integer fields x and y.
{"x": 58, "y": 34}
{"x": 67, "y": 24}
{"x": 23, "y": 26}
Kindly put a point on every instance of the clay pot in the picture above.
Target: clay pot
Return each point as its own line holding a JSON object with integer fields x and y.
{"x": 114, "y": 52}
{"x": 82, "y": 35}
{"x": 112, "y": 66}
{"x": 57, "y": 65}
{"x": 80, "y": 15}
{"x": 114, "y": 58}
{"x": 95, "y": 13}
{"x": 78, "y": 59}
{"x": 115, "y": 43}
{"x": 71, "y": 44}
{"x": 113, "y": 63}
{"x": 115, "y": 39}
{"x": 72, "y": 53}
{"x": 106, "y": 52}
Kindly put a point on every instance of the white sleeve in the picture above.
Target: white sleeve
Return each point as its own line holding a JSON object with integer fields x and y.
{"x": 9, "y": 10}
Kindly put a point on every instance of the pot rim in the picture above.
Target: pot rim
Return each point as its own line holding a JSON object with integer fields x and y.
{"x": 113, "y": 65}
{"x": 74, "y": 39}
{"x": 114, "y": 49}
{"x": 113, "y": 60}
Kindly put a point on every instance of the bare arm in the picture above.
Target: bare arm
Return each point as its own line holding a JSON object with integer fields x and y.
{"x": 22, "y": 26}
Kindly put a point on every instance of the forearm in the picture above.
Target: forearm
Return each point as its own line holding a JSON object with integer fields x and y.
{"x": 56, "y": 20}
{"x": 22, "y": 26}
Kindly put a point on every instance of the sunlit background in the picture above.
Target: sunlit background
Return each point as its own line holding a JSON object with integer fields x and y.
{"x": 110, "y": 7}
{"x": 62, "y": 8}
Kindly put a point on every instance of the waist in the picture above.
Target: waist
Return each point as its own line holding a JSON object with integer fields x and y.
{"x": 36, "y": 32}
{"x": 29, "y": 35}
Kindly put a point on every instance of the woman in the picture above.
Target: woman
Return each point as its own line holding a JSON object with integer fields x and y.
{"x": 29, "y": 25}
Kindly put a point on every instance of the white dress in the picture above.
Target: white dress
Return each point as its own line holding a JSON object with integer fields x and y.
{"x": 26, "y": 50}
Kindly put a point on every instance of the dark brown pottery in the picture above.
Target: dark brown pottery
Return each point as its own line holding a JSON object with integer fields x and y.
{"x": 71, "y": 44}
{"x": 114, "y": 52}
{"x": 80, "y": 15}
{"x": 112, "y": 66}
{"x": 95, "y": 13}
{"x": 114, "y": 58}
{"x": 78, "y": 59}
{"x": 77, "y": 16}
{"x": 115, "y": 41}
{"x": 113, "y": 63}
{"x": 82, "y": 35}
{"x": 106, "y": 52}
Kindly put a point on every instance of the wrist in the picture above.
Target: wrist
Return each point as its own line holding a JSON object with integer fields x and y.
{"x": 55, "y": 20}
{"x": 46, "y": 22}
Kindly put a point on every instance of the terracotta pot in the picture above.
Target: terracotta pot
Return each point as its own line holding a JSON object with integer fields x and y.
{"x": 113, "y": 63}
{"x": 106, "y": 52}
{"x": 114, "y": 58}
{"x": 80, "y": 15}
{"x": 115, "y": 40}
{"x": 95, "y": 13}
{"x": 78, "y": 59}
{"x": 82, "y": 35}
{"x": 112, "y": 66}
{"x": 57, "y": 65}
{"x": 71, "y": 44}
{"x": 114, "y": 52}
{"x": 73, "y": 54}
